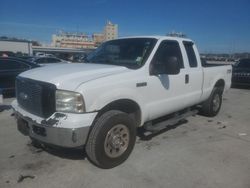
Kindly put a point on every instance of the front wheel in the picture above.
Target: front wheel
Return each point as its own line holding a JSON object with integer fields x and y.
{"x": 111, "y": 140}
{"x": 212, "y": 105}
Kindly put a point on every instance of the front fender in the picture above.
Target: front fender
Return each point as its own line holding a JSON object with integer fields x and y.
{"x": 101, "y": 100}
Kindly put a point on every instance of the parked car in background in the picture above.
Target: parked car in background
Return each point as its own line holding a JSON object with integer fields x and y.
{"x": 241, "y": 72}
{"x": 7, "y": 54}
{"x": 25, "y": 57}
{"x": 41, "y": 54}
{"x": 46, "y": 60}
{"x": 10, "y": 67}
{"x": 79, "y": 58}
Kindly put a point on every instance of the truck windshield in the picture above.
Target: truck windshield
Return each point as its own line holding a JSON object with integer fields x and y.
{"x": 131, "y": 53}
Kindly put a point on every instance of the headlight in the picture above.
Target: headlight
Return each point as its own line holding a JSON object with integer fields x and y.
{"x": 68, "y": 101}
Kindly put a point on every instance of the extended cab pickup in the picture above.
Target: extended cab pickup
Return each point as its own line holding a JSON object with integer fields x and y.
{"x": 125, "y": 84}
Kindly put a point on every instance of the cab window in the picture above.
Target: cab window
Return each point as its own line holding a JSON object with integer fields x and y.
{"x": 190, "y": 53}
{"x": 166, "y": 50}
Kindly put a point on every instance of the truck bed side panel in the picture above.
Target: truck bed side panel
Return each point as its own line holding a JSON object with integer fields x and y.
{"x": 214, "y": 74}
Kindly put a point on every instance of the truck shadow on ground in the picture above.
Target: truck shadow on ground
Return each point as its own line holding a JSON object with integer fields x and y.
{"x": 80, "y": 154}
{"x": 65, "y": 153}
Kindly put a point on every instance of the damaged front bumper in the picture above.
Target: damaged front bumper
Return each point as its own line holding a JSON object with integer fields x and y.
{"x": 61, "y": 129}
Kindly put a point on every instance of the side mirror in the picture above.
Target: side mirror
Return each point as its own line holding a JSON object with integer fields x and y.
{"x": 171, "y": 66}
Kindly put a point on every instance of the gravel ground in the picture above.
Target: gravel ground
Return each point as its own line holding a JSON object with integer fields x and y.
{"x": 202, "y": 152}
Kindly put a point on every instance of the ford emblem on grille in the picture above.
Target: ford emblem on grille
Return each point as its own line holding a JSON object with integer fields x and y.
{"x": 23, "y": 96}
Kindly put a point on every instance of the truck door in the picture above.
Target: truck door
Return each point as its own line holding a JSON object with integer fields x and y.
{"x": 194, "y": 73}
{"x": 167, "y": 93}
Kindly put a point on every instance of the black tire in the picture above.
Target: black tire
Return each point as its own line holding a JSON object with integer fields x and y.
{"x": 212, "y": 105}
{"x": 95, "y": 147}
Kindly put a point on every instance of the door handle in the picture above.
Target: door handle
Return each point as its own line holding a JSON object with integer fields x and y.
{"x": 186, "y": 79}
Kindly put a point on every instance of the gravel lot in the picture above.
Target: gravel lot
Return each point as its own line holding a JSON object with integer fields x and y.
{"x": 202, "y": 152}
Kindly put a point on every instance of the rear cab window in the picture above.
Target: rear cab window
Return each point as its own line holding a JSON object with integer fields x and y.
{"x": 192, "y": 59}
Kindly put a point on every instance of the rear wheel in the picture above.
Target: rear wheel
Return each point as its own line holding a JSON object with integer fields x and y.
{"x": 212, "y": 105}
{"x": 111, "y": 140}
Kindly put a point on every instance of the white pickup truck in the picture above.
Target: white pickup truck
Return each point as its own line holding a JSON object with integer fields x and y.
{"x": 125, "y": 84}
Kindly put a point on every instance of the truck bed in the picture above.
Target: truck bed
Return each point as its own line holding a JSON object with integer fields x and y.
{"x": 205, "y": 63}
{"x": 213, "y": 73}
{"x": 213, "y": 65}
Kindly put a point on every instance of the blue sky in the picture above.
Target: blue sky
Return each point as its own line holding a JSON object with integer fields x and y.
{"x": 216, "y": 26}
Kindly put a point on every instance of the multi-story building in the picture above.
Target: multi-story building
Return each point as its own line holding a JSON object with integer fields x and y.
{"x": 72, "y": 40}
{"x": 110, "y": 31}
{"x": 81, "y": 40}
{"x": 98, "y": 38}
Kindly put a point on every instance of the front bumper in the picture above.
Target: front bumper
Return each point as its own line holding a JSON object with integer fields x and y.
{"x": 60, "y": 129}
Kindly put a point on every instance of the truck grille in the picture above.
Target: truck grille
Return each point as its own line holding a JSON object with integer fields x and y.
{"x": 36, "y": 97}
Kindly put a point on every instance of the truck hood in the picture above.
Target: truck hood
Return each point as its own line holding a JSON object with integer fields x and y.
{"x": 70, "y": 76}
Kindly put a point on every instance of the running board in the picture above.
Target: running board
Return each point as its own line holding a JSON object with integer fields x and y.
{"x": 150, "y": 126}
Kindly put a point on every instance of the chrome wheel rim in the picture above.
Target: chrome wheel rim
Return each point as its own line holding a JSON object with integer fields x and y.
{"x": 216, "y": 102}
{"x": 116, "y": 141}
